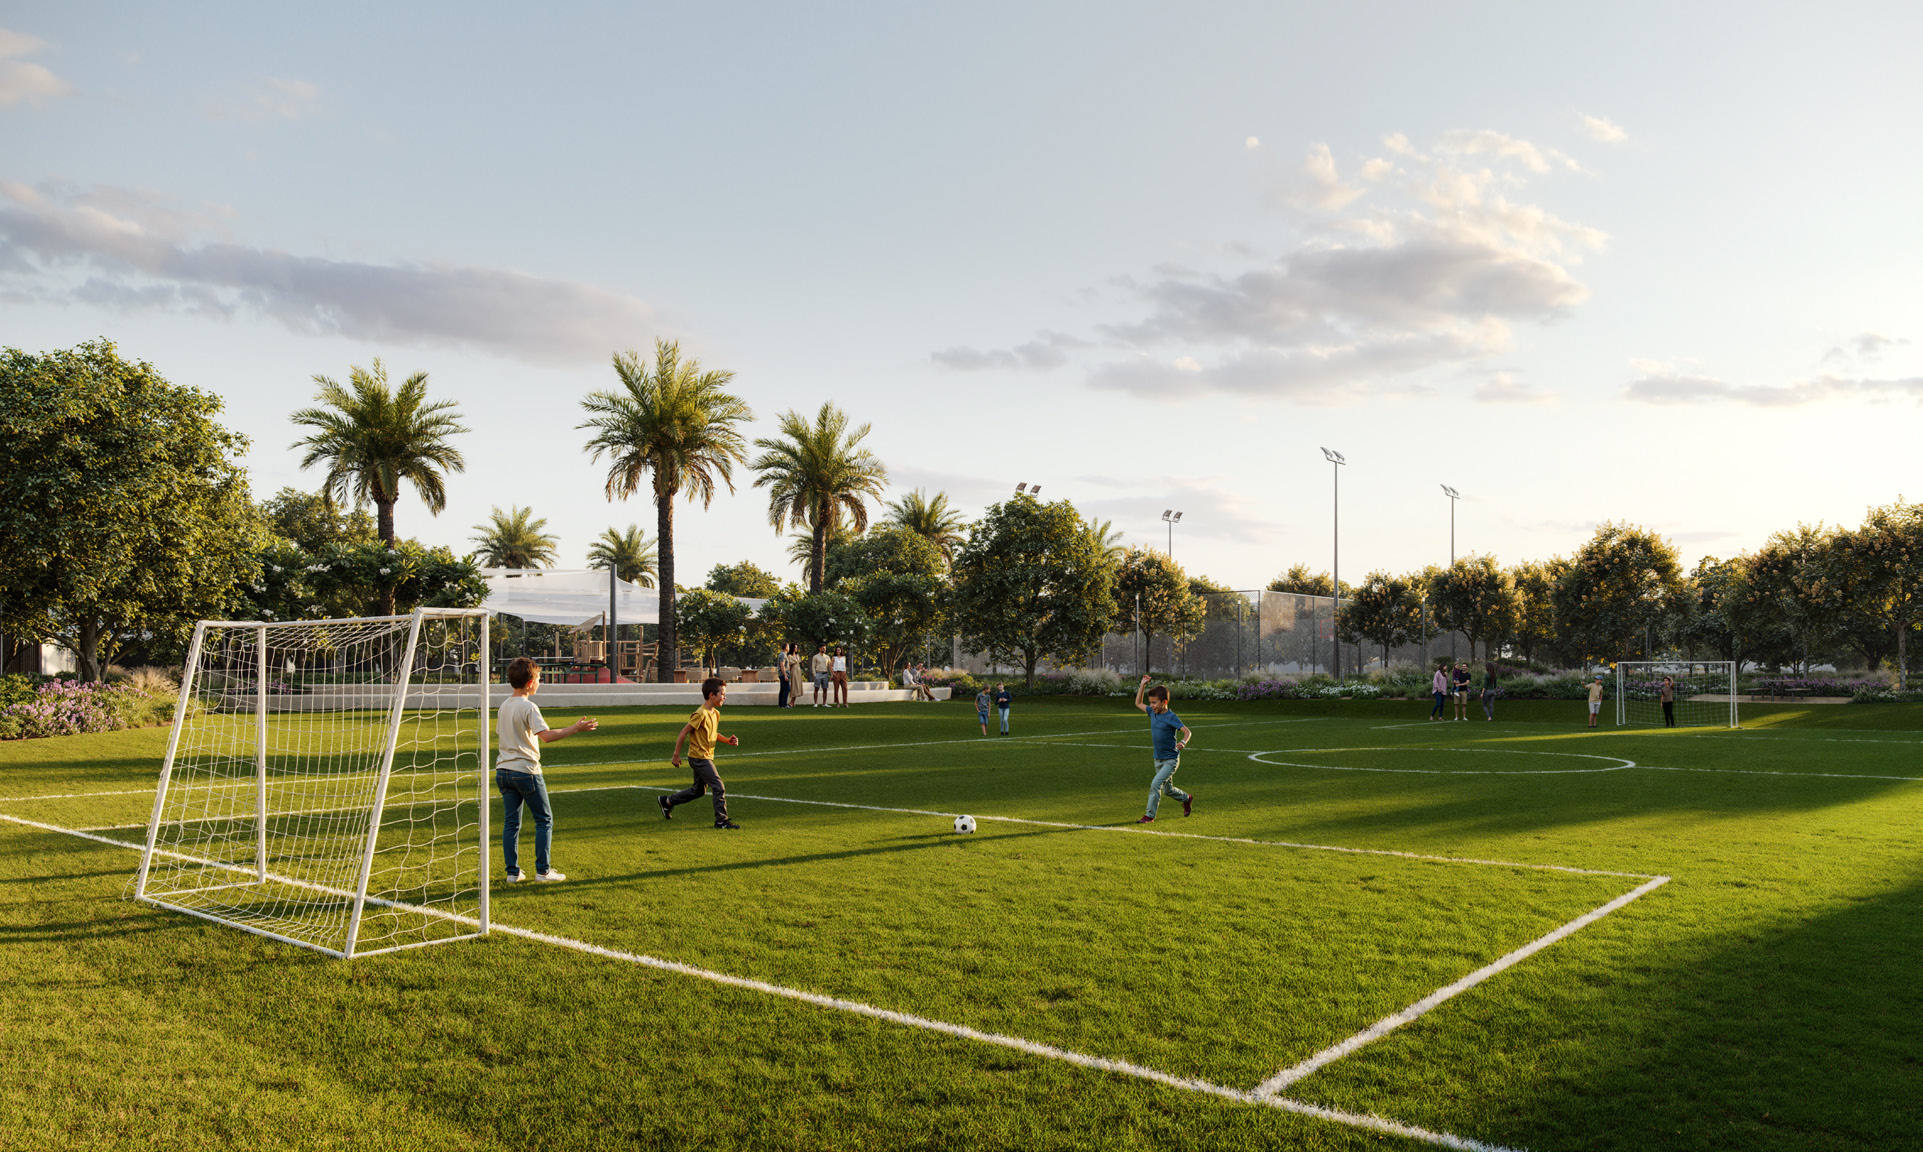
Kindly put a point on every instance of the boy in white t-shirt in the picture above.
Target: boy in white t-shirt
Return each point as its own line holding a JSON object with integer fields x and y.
{"x": 520, "y": 731}
{"x": 1595, "y": 698}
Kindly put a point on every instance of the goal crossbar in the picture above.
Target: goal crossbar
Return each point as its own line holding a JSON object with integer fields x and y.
{"x": 1700, "y": 693}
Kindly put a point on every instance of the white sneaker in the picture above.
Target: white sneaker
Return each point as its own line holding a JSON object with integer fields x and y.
{"x": 549, "y": 876}
{"x": 512, "y": 877}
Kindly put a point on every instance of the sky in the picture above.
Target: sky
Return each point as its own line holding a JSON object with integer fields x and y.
{"x": 1656, "y": 263}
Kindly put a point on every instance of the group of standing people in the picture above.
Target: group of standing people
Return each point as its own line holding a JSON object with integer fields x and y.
{"x": 829, "y": 674}
{"x": 1458, "y": 682}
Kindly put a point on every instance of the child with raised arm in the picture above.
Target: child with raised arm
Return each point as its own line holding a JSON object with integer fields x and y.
{"x": 700, "y": 733}
{"x": 1169, "y": 736}
{"x": 520, "y": 731}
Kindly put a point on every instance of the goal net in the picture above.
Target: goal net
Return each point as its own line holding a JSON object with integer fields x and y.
{"x": 1702, "y": 693}
{"x": 325, "y": 782}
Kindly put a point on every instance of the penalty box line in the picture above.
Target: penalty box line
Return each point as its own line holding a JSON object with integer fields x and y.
{"x": 1366, "y": 1121}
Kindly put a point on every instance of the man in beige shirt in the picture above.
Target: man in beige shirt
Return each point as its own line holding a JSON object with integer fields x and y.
{"x": 820, "y": 666}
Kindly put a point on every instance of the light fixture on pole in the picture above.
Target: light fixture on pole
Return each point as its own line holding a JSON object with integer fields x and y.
{"x": 1021, "y": 488}
{"x": 1171, "y": 518}
{"x": 1337, "y": 460}
{"x": 1453, "y": 497}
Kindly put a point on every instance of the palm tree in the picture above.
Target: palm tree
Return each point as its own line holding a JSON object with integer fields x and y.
{"x": 630, "y": 554}
{"x": 674, "y": 423}
{"x": 372, "y": 438}
{"x": 1109, "y": 539}
{"x": 814, "y": 474}
{"x": 513, "y": 539}
{"x": 933, "y": 519}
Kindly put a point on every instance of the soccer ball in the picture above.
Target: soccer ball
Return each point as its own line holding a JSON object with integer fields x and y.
{"x": 964, "y": 823}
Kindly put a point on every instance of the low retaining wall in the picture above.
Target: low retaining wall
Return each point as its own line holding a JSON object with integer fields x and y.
{"x": 567, "y": 696}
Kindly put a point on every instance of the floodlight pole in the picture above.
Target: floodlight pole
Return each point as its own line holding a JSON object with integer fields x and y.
{"x": 1453, "y": 497}
{"x": 1336, "y": 461}
{"x": 1171, "y": 518}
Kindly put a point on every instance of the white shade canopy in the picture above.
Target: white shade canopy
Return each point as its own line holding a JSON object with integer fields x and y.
{"x": 567, "y": 596}
{"x": 575, "y": 596}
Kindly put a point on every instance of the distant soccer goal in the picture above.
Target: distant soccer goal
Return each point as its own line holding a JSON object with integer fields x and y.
{"x": 325, "y": 782}
{"x": 1701, "y": 693}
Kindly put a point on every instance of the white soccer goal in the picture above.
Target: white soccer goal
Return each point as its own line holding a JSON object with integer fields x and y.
{"x": 325, "y": 782}
{"x": 1704, "y": 693}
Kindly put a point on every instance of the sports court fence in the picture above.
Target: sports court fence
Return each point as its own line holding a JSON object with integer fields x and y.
{"x": 1251, "y": 633}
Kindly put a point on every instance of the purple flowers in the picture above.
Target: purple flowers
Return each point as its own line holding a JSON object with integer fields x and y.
{"x": 68, "y": 707}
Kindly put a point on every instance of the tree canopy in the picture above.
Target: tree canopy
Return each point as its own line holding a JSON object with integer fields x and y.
{"x": 514, "y": 539}
{"x": 1032, "y": 583}
{"x": 123, "y": 510}
{"x": 816, "y": 475}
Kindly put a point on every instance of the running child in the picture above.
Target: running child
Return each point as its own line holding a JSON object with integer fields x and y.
{"x": 1170, "y": 736}
{"x": 701, "y": 732}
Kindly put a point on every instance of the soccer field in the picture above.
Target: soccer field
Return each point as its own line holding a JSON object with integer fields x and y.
{"x": 1373, "y": 932}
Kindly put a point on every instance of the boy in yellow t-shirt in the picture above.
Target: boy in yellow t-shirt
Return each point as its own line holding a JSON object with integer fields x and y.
{"x": 700, "y": 733}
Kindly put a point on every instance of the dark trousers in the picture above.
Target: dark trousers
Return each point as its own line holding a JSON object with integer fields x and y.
{"x": 1440, "y": 699}
{"x": 706, "y": 779}
{"x": 1669, "y": 713}
{"x": 781, "y": 699}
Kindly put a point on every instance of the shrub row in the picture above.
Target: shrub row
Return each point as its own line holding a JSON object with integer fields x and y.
{"x": 37, "y": 706}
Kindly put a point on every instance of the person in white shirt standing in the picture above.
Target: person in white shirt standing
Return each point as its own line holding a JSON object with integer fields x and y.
{"x": 520, "y": 731}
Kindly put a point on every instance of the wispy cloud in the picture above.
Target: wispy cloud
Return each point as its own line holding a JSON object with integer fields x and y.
{"x": 1601, "y": 130}
{"x": 1504, "y": 388}
{"x": 1865, "y": 347}
{"x": 22, "y": 81}
{"x": 137, "y": 251}
{"x": 1412, "y": 261}
{"x": 271, "y": 99}
{"x": 1047, "y": 350}
{"x": 1664, "y": 384}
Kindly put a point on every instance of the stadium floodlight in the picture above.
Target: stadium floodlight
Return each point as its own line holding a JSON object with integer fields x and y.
{"x": 1034, "y": 489}
{"x": 1453, "y": 497}
{"x": 1021, "y": 488}
{"x": 1171, "y": 517}
{"x": 343, "y": 807}
{"x": 1335, "y": 578}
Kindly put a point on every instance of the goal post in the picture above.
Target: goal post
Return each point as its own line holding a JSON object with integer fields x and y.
{"x": 325, "y": 782}
{"x": 1703, "y": 694}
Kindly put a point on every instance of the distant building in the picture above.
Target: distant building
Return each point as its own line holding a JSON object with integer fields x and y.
{"x": 28, "y": 656}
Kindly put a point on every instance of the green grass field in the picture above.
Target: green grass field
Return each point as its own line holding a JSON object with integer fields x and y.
{"x": 847, "y": 972}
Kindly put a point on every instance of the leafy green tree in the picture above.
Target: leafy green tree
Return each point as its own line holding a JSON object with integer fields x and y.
{"x": 674, "y": 424}
{"x": 1154, "y": 596}
{"x": 815, "y": 474}
{"x": 713, "y": 620}
{"x": 831, "y": 618}
{"x": 1302, "y": 582}
{"x": 1783, "y": 582}
{"x": 1032, "y": 583}
{"x": 1889, "y": 547}
{"x": 933, "y": 520}
{"x": 1846, "y": 585}
{"x": 890, "y": 549}
{"x": 1385, "y": 610}
{"x": 373, "y": 438}
{"x": 123, "y": 511}
{"x": 1218, "y": 600}
{"x": 312, "y": 520}
{"x": 1616, "y": 590}
{"x": 340, "y": 580}
{"x": 743, "y": 579}
{"x": 1477, "y": 598}
{"x": 629, "y": 553}
{"x": 1535, "y": 634}
{"x": 514, "y": 539}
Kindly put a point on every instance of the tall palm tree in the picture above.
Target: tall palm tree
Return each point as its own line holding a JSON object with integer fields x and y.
{"x": 1109, "y": 539}
{"x": 673, "y": 423}
{"x": 933, "y": 520}
{"x": 514, "y": 539}
{"x": 372, "y": 437}
{"x": 814, "y": 474}
{"x": 629, "y": 553}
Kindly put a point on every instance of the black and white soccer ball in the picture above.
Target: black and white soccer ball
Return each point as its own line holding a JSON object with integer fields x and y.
{"x": 964, "y": 823}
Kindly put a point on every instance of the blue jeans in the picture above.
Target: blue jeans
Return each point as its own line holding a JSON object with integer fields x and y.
{"x": 1441, "y": 699}
{"x": 1164, "y": 784}
{"x": 518, "y": 788}
{"x": 1004, "y": 713}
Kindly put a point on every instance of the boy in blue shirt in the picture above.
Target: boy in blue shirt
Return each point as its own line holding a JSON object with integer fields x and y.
{"x": 982, "y": 701}
{"x": 1169, "y": 736}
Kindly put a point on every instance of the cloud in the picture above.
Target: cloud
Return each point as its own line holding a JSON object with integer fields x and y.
{"x": 1420, "y": 261}
{"x": 22, "y": 81}
{"x": 271, "y": 99}
{"x": 1213, "y": 507}
{"x": 137, "y": 251}
{"x": 1601, "y": 130}
{"x": 1664, "y": 384}
{"x": 1864, "y": 346}
{"x": 1046, "y": 351}
{"x": 1504, "y": 388}
{"x": 1251, "y": 144}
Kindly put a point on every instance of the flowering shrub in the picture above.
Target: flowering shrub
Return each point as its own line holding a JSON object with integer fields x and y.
{"x": 64, "y": 707}
{"x": 1815, "y": 685}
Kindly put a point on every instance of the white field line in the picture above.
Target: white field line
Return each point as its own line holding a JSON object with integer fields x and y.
{"x": 1367, "y": 1122}
{"x": 1423, "y": 1006}
{"x": 1766, "y": 772}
